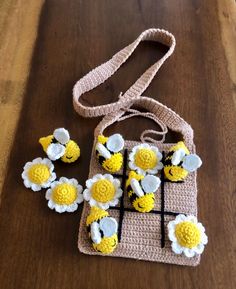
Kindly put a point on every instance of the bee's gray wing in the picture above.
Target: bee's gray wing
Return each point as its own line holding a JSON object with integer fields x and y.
{"x": 177, "y": 157}
{"x": 61, "y": 135}
{"x": 150, "y": 183}
{"x": 115, "y": 143}
{"x": 109, "y": 226}
{"x": 191, "y": 162}
{"x": 55, "y": 151}
{"x": 95, "y": 233}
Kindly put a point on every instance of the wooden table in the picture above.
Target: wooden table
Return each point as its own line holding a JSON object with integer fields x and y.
{"x": 45, "y": 48}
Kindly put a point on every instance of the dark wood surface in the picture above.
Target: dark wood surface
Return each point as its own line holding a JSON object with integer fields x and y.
{"x": 38, "y": 247}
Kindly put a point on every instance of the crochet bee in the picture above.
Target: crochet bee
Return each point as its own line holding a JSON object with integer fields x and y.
{"x": 108, "y": 152}
{"x": 102, "y": 230}
{"x": 141, "y": 191}
{"x": 179, "y": 163}
{"x": 59, "y": 146}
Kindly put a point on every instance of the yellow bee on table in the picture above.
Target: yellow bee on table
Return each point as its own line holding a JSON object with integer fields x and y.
{"x": 179, "y": 163}
{"x": 59, "y": 146}
{"x": 102, "y": 230}
{"x": 108, "y": 151}
{"x": 141, "y": 191}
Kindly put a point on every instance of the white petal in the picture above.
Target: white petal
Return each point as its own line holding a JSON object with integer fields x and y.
{"x": 109, "y": 226}
{"x": 189, "y": 252}
{"x": 177, "y": 157}
{"x": 191, "y": 219}
{"x": 103, "y": 206}
{"x": 51, "y": 204}
{"x": 95, "y": 233}
{"x": 159, "y": 166}
{"x": 92, "y": 203}
{"x": 150, "y": 183}
{"x": 27, "y": 183}
{"x": 191, "y": 162}
{"x": 114, "y": 202}
{"x": 55, "y": 151}
{"x": 119, "y": 193}
{"x": 63, "y": 180}
{"x": 37, "y": 160}
{"x": 180, "y": 218}
{"x": 115, "y": 143}
{"x": 71, "y": 208}
{"x": 177, "y": 249}
{"x": 79, "y": 199}
{"x": 171, "y": 235}
{"x": 89, "y": 183}
{"x": 87, "y": 194}
{"x": 199, "y": 249}
{"x": 61, "y": 135}
{"x": 60, "y": 208}
{"x": 48, "y": 194}
{"x": 36, "y": 188}
{"x": 204, "y": 239}
{"x": 159, "y": 156}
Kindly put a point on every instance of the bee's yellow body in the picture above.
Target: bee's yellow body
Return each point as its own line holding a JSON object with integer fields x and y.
{"x": 143, "y": 204}
{"x": 107, "y": 244}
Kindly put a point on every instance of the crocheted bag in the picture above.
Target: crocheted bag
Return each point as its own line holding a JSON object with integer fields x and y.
{"x": 140, "y": 235}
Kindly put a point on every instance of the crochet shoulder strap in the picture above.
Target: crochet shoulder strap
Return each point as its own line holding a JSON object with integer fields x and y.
{"x": 101, "y": 73}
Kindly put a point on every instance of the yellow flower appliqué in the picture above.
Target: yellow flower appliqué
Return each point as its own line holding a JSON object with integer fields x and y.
{"x": 64, "y": 195}
{"x": 187, "y": 236}
{"x": 102, "y": 191}
{"x": 145, "y": 159}
{"x": 38, "y": 174}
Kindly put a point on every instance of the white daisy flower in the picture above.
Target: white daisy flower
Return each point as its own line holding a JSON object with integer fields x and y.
{"x": 145, "y": 158}
{"x": 102, "y": 191}
{"x": 187, "y": 236}
{"x": 38, "y": 174}
{"x": 64, "y": 195}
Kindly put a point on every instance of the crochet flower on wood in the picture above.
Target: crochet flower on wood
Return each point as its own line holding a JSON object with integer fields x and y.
{"x": 102, "y": 191}
{"x": 187, "y": 236}
{"x": 64, "y": 195}
{"x": 145, "y": 158}
{"x": 38, "y": 174}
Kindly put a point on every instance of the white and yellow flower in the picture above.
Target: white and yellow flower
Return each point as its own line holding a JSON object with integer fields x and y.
{"x": 187, "y": 235}
{"x": 38, "y": 174}
{"x": 145, "y": 158}
{"x": 64, "y": 195}
{"x": 102, "y": 191}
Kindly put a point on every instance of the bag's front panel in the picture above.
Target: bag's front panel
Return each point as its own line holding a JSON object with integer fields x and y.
{"x": 144, "y": 235}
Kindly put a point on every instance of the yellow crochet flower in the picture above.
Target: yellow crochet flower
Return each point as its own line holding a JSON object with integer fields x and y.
{"x": 187, "y": 235}
{"x": 64, "y": 195}
{"x": 102, "y": 191}
{"x": 38, "y": 174}
{"x": 145, "y": 159}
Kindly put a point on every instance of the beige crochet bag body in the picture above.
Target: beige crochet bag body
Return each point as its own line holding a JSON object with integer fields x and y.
{"x": 141, "y": 235}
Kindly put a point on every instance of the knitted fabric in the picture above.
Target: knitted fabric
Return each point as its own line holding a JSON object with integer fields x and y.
{"x": 141, "y": 236}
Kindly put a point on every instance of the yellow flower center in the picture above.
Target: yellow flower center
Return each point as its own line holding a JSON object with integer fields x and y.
{"x": 64, "y": 194}
{"x": 103, "y": 191}
{"x": 187, "y": 234}
{"x": 145, "y": 159}
{"x": 39, "y": 174}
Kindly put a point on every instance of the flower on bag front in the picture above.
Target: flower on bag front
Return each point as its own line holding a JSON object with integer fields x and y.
{"x": 187, "y": 236}
{"x": 145, "y": 158}
{"x": 102, "y": 191}
{"x": 38, "y": 174}
{"x": 64, "y": 195}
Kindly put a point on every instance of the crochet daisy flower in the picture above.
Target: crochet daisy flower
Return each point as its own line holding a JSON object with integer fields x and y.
{"x": 38, "y": 174}
{"x": 102, "y": 191}
{"x": 64, "y": 195}
{"x": 187, "y": 236}
{"x": 145, "y": 159}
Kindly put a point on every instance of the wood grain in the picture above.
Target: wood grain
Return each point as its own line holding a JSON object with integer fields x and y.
{"x": 38, "y": 247}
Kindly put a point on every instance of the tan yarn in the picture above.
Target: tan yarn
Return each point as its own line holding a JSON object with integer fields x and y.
{"x": 141, "y": 233}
